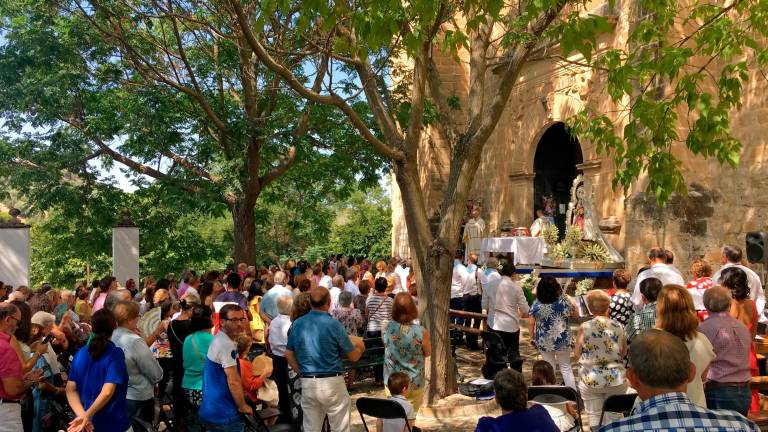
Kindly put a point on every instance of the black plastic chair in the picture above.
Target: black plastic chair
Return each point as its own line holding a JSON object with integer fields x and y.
{"x": 255, "y": 423}
{"x": 619, "y": 404}
{"x": 564, "y": 392}
{"x": 381, "y": 408}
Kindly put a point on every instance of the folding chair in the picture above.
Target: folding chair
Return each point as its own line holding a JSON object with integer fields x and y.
{"x": 563, "y": 391}
{"x": 619, "y": 404}
{"x": 381, "y": 408}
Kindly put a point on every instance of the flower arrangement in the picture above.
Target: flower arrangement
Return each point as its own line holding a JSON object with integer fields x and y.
{"x": 572, "y": 235}
{"x": 560, "y": 251}
{"x": 583, "y": 286}
{"x": 551, "y": 233}
{"x": 594, "y": 252}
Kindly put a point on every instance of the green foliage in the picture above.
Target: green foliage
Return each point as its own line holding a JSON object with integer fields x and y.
{"x": 363, "y": 226}
{"x": 679, "y": 90}
{"x": 72, "y": 237}
{"x": 529, "y": 283}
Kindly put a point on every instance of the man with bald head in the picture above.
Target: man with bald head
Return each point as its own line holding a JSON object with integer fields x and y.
{"x": 660, "y": 370}
{"x": 316, "y": 345}
{"x": 728, "y": 376}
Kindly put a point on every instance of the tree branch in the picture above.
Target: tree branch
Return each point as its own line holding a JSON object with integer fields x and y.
{"x": 297, "y": 86}
{"x": 280, "y": 169}
{"x": 186, "y": 163}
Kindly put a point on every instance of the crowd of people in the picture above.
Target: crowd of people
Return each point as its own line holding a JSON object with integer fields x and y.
{"x": 200, "y": 352}
{"x": 631, "y": 341}
{"x": 206, "y": 349}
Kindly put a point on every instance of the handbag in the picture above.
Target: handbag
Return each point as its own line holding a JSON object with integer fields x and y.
{"x": 268, "y": 394}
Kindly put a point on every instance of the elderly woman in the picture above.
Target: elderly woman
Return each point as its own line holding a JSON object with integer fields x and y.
{"x": 349, "y": 317}
{"x": 46, "y": 391}
{"x": 702, "y": 281}
{"x": 406, "y": 345}
{"x": 512, "y": 396}
{"x": 143, "y": 369}
{"x": 743, "y": 309}
{"x": 600, "y": 348}
{"x": 549, "y": 326}
{"x": 675, "y": 314}
{"x": 728, "y": 377}
{"x": 278, "y": 339}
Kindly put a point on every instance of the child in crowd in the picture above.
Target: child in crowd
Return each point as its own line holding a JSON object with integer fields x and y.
{"x": 398, "y": 387}
{"x": 561, "y": 410}
{"x": 251, "y": 383}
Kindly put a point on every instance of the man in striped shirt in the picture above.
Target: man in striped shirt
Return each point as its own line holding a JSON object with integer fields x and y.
{"x": 379, "y": 310}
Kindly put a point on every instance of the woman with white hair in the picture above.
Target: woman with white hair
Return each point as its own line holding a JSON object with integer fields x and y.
{"x": 349, "y": 317}
{"x": 278, "y": 339}
{"x": 600, "y": 348}
{"x": 335, "y": 290}
{"x": 43, "y": 418}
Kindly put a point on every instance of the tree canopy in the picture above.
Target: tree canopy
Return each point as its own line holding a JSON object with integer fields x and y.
{"x": 179, "y": 101}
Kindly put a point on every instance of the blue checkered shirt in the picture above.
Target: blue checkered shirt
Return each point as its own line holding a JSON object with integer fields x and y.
{"x": 640, "y": 321}
{"x": 674, "y": 412}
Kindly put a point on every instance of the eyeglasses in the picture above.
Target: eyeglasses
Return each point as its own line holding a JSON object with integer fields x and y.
{"x": 17, "y": 320}
{"x": 235, "y": 319}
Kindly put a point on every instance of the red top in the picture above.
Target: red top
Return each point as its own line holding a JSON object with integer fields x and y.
{"x": 10, "y": 366}
{"x": 251, "y": 383}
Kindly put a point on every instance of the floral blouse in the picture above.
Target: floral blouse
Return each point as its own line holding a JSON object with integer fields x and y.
{"x": 552, "y": 332}
{"x": 403, "y": 351}
{"x": 351, "y": 319}
{"x": 601, "y": 364}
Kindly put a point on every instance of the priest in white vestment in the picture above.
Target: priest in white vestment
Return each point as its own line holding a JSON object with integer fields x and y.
{"x": 474, "y": 231}
{"x": 541, "y": 221}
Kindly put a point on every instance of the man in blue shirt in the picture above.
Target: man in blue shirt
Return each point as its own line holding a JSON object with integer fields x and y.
{"x": 316, "y": 345}
{"x": 223, "y": 398}
{"x": 660, "y": 370}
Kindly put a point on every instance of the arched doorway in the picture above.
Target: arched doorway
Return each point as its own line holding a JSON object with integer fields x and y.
{"x": 554, "y": 164}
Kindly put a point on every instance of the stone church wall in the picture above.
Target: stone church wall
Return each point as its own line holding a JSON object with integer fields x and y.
{"x": 722, "y": 204}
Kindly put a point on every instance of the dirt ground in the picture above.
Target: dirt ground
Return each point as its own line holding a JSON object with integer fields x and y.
{"x": 455, "y": 413}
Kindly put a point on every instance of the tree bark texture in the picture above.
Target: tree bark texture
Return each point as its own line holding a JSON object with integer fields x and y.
{"x": 244, "y": 232}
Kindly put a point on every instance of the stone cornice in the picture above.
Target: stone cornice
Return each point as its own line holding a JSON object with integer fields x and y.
{"x": 521, "y": 176}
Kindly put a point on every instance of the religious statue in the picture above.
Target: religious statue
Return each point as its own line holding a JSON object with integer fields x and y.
{"x": 474, "y": 231}
{"x": 581, "y": 214}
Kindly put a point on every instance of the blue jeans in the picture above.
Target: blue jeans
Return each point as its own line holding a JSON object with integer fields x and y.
{"x": 236, "y": 425}
{"x": 730, "y": 398}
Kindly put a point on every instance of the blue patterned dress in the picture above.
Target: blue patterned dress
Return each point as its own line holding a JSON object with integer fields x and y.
{"x": 552, "y": 332}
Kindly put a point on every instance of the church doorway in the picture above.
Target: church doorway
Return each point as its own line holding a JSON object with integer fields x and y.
{"x": 554, "y": 165}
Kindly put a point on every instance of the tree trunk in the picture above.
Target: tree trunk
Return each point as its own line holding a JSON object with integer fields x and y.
{"x": 244, "y": 231}
{"x": 433, "y": 260}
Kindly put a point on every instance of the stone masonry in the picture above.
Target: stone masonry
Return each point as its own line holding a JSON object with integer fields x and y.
{"x": 722, "y": 205}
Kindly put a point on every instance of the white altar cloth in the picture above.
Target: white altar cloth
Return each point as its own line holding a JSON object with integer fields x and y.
{"x": 527, "y": 250}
